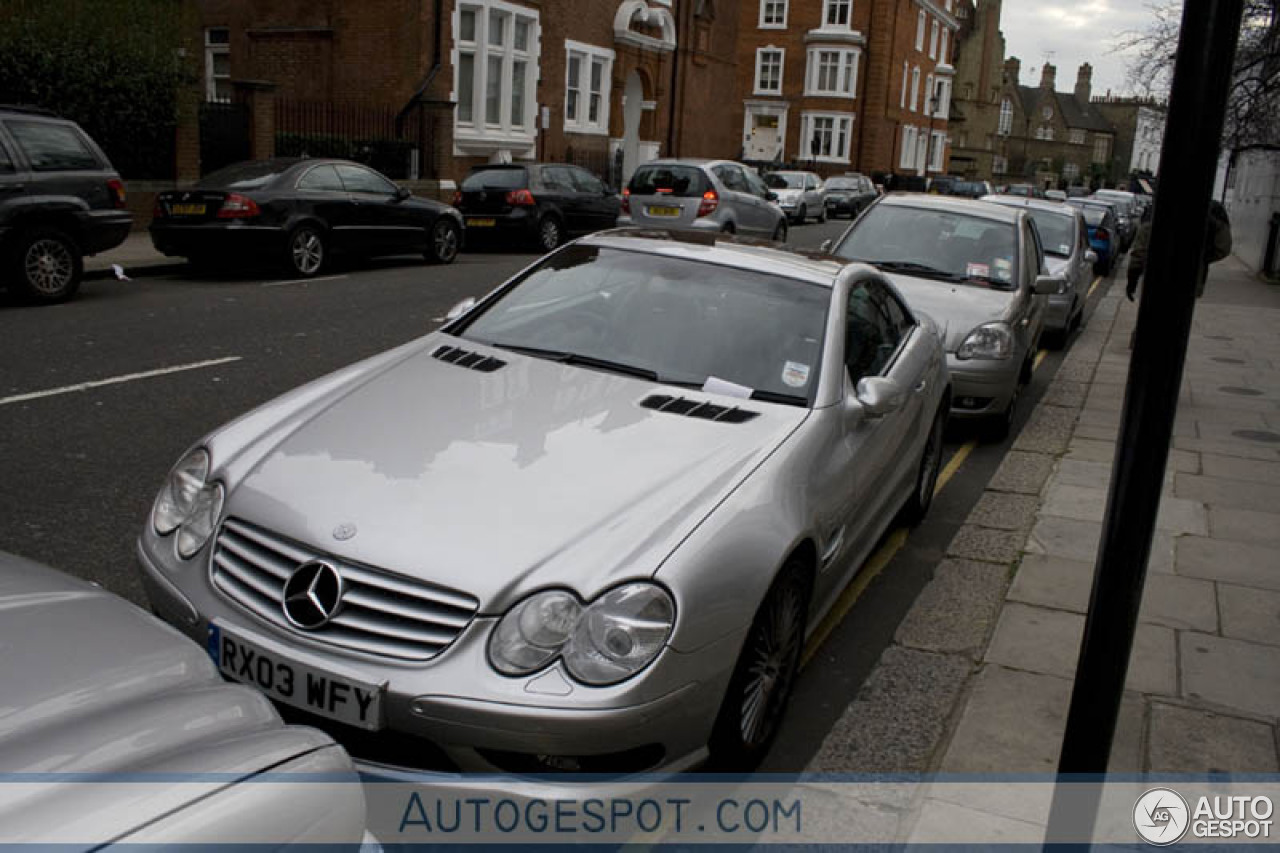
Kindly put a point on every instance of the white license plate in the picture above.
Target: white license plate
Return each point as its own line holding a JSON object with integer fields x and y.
{"x": 356, "y": 703}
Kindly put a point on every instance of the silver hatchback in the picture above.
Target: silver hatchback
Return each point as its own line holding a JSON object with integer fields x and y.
{"x": 704, "y": 195}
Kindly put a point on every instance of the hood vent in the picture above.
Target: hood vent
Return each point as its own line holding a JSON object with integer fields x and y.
{"x": 468, "y": 359}
{"x": 697, "y": 409}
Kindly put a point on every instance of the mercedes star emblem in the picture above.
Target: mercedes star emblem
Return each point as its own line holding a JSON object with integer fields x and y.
{"x": 312, "y": 595}
{"x": 344, "y": 531}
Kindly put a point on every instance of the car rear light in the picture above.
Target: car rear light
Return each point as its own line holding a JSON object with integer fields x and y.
{"x": 710, "y": 201}
{"x": 116, "y": 187}
{"x": 457, "y": 197}
{"x": 238, "y": 206}
{"x": 520, "y": 198}
{"x": 626, "y": 200}
{"x": 1104, "y": 234}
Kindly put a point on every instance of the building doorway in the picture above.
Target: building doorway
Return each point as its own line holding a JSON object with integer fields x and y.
{"x": 632, "y": 111}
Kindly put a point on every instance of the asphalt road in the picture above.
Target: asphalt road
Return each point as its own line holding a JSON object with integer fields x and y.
{"x": 80, "y": 462}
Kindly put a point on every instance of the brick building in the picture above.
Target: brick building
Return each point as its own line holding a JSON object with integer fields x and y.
{"x": 843, "y": 85}
{"x": 1139, "y": 126}
{"x": 980, "y": 86}
{"x": 472, "y": 81}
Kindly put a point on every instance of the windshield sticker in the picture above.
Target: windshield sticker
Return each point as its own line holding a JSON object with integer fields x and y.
{"x": 1004, "y": 269}
{"x": 1064, "y": 248}
{"x": 716, "y": 385}
{"x": 795, "y": 375}
{"x": 977, "y": 270}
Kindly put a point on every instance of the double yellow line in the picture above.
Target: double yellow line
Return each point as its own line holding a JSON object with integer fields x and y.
{"x": 877, "y": 562}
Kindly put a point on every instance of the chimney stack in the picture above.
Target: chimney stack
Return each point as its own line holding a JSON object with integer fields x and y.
{"x": 1012, "y": 70}
{"x": 1084, "y": 83}
{"x": 1048, "y": 77}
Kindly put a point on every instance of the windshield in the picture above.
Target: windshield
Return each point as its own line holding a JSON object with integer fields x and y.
{"x": 497, "y": 179}
{"x": 682, "y": 322}
{"x": 784, "y": 181}
{"x": 1056, "y": 232}
{"x": 1093, "y": 214}
{"x": 245, "y": 176}
{"x": 842, "y": 184}
{"x": 939, "y": 244}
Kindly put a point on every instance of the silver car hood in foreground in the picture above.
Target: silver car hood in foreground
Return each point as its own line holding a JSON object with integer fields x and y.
{"x": 502, "y": 482}
{"x": 957, "y": 309}
{"x": 90, "y": 683}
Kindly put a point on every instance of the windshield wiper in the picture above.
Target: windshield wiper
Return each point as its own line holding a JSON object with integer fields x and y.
{"x": 579, "y": 360}
{"x": 914, "y": 269}
{"x": 775, "y": 397}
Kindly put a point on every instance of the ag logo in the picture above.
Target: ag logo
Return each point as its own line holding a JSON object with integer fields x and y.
{"x": 1161, "y": 816}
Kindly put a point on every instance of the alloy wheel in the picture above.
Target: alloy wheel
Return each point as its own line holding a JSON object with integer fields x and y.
{"x": 930, "y": 464}
{"x": 549, "y": 233}
{"x": 445, "y": 241}
{"x": 771, "y": 663}
{"x": 48, "y": 266}
{"x": 307, "y": 250}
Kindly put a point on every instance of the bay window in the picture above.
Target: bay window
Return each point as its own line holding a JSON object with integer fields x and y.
{"x": 826, "y": 136}
{"x": 832, "y": 71}
{"x": 495, "y": 67}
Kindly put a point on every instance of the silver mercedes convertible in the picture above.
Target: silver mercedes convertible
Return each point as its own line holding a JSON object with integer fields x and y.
{"x": 585, "y": 526}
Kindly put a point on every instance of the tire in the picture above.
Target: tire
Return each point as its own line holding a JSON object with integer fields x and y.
{"x": 822, "y": 214}
{"x": 729, "y": 229}
{"x": 780, "y": 233}
{"x": 762, "y": 679}
{"x": 550, "y": 233}
{"x": 446, "y": 238}
{"x": 47, "y": 266}
{"x": 921, "y": 499}
{"x": 999, "y": 426}
{"x": 801, "y": 215}
{"x": 306, "y": 253}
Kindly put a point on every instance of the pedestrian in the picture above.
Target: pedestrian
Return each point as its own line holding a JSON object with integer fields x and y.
{"x": 1217, "y": 246}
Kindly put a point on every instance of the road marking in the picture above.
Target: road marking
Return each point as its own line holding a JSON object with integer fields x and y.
{"x": 116, "y": 380}
{"x": 302, "y": 280}
{"x": 953, "y": 465}
{"x": 1097, "y": 281}
{"x": 1040, "y": 356}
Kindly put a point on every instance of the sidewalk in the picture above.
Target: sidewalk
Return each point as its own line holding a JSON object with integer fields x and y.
{"x": 136, "y": 256}
{"x": 979, "y": 677}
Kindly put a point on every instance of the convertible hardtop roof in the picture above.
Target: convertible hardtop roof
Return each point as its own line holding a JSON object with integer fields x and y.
{"x": 953, "y": 204}
{"x": 726, "y": 250}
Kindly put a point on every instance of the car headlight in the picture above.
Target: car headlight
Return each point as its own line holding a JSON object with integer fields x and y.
{"x": 608, "y": 640}
{"x": 188, "y": 503}
{"x": 990, "y": 341}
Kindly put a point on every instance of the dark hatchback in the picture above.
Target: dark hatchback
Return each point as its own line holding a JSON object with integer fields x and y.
{"x": 849, "y": 195}
{"x": 1104, "y": 232}
{"x": 300, "y": 212}
{"x": 541, "y": 203}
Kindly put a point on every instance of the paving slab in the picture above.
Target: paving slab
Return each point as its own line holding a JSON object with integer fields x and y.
{"x": 955, "y": 612}
{"x": 1013, "y": 723}
{"x": 1243, "y": 563}
{"x": 1235, "y": 447}
{"x": 1244, "y": 525}
{"x": 942, "y": 822}
{"x": 1192, "y": 740}
{"x": 1047, "y": 431}
{"x": 1230, "y": 673}
{"x": 1078, "y": 540}
{"x": 1053, "y": 582}
{"x": 1217, "y": 491}
{"x": 1069, "y": 394}
{"x": 906, "y": 684}
{"x": 1250, "y": 614}
{"x": 1223, "y": 417}
{"x": 1086, "y": 503}
{"x": 1038, "y": 639}
{"x": 986, "y": 544}
{"x": 1091, "y": 450}
{"x": 1024, "y": 473}
{"x": 1235, "y": 468}
{"x": 1004, "y": 511}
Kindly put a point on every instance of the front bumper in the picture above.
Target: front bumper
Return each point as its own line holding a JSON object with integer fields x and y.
{"x": 455, "y": 713}
{"x": 1057, "y": 315}
{"x": 981, "y": 388}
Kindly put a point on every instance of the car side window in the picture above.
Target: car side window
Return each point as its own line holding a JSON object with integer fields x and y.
{"x": 557, "y": 178}
{"x": 756, "y": 185}
{"x": 732, "y": 178}
{"x": 871, "y": 334}
{"x": 322, "y": 179}
{"x": 898, "y": 315}
{"x": 52, "y": 147}
{"x": 1033, "y": 254}
{"x": 585, "y": 182}
{"x": 358, "y": 179}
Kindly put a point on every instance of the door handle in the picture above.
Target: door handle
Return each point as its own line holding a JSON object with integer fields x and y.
{"x": 921, "y": 386}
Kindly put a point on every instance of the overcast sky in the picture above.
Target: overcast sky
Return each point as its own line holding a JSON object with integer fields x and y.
{"x": 1068, "y": 33}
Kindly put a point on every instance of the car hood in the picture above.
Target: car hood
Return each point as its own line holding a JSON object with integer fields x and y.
{"x": 956, "y": 308}
{"x": 788, "y": 194}
{"x": 93, "y": 684}
{"x": 495, "y": 483}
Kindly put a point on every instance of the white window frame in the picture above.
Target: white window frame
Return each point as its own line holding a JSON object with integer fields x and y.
{"x": 938, "y": 151}
{"x": 933, "y": 41}
{"x": 915, "y": 88}
{"x": 1005, "y": 127}
{"x": 782, "y": 66}
{"x": 1076, "y": 136}
{"x": 999, "y": 164}
{"x": 479, "y": 132}
{"x": 828, "y": 6}
{"x": 841, "y": 130}
{"x": 1101, "y": 149}
{"x": 907, "y": 157}
{"x": 921, "y": 22}
{"x": 847, "y": 60}
{"x": 929, "y": 92}
{"x": 212, "y": 49}
{"x": 942, "y": 86}
{"x": 775, "y": 25}
{"x": 906, "y": 78}
{"x": 588, "y": 55}
{"x": 942, "y": 48}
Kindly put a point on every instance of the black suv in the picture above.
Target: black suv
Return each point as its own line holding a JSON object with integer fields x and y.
{"x": 60, "y": 200}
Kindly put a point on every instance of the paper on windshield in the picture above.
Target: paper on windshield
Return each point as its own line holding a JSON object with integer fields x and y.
{"x": 716, "y": 385}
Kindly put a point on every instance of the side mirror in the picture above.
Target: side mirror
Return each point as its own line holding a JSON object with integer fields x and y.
{"x": 461, "y": 308}
{"x": 1047, "y": 284}
{"x": 402, "y": 193}
{"x": 879, "y": 395}
{"x": 770, "y": 196}
{"x": 1090, "y": 256}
